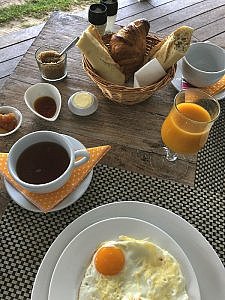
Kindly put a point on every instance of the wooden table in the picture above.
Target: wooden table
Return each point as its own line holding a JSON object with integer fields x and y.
{"x": 206, "y": 16}
{"x": 134, "y": 131}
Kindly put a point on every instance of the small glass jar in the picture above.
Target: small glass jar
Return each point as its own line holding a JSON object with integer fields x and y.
{"x": 97, "y": 15}
{"x": 52, "y": 66}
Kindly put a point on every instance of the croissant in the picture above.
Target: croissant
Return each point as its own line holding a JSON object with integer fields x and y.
{"x": 128, "y": 46}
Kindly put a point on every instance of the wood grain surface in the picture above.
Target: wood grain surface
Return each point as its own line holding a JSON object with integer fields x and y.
{"x": 134, "y": 131}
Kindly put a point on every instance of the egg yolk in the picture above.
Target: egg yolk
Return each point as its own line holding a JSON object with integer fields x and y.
{"x": 109, "y": 260}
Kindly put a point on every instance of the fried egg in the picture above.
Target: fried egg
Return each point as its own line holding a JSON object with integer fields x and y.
{"x": 130, "y": 269}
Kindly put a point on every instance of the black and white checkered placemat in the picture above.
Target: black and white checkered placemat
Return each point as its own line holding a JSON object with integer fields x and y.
{"x": 26, "y": 236}
{"x": 210, "y": 172}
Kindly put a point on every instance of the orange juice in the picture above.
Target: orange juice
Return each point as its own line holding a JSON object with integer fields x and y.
{"x": 186, "y": 128}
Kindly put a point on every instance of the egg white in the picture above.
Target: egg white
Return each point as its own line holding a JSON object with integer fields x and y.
{"x": 149, "y": 273}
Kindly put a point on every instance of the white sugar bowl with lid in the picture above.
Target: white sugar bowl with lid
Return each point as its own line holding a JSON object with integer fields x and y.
{"x": 83, "y": 103}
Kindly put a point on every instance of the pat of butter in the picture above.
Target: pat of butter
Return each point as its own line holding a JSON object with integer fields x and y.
{"x": 83, "y": 100}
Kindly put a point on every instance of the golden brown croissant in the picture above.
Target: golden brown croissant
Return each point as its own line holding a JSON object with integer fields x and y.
{"x": 128, "y": 46}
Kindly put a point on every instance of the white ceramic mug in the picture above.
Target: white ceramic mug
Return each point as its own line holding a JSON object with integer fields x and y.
{"x": 203, "y": 64}
{"x": 45, "y": 136}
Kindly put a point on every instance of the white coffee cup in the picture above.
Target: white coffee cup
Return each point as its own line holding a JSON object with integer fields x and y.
{"x": 203, "y": 64}
{"x": 45, "y": 136}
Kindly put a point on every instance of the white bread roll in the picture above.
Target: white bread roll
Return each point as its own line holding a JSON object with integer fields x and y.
{"x": 173, "y": 48}
{"x": 92, "y": 46}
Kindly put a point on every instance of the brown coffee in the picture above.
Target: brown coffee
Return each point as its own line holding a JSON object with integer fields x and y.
{"x": 42, "y": 162}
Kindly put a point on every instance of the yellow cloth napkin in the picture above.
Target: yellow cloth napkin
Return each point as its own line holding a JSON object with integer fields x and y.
{"x": 46, "y": 202}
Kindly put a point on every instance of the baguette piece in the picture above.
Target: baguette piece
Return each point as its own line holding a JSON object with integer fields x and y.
{"x": 92, "y": 46}
{"x": 172, "y": 48}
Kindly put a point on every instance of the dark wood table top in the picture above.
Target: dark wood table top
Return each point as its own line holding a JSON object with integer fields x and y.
{"x": 206, "y": 16}
{"x": 132, "y": 131}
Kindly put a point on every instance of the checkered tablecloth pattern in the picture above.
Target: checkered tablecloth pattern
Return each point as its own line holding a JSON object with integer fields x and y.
{"x": 210, "y": 172}
{"x": 26, "y": 236}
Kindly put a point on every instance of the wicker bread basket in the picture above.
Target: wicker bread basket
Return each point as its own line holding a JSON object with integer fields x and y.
{"x": 124, "y": 94}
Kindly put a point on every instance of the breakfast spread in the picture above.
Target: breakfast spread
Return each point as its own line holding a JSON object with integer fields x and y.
{"x": 117, "y": 57}
{"x": 121, "y": 267}
{"x": 8, "y": 122}
{"x": 132, "y": 269}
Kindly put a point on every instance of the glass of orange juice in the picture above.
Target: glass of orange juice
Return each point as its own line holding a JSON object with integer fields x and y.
{"x": 186, "y": 128}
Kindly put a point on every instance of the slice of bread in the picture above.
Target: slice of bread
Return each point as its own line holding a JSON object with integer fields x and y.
{"x": 92, "y": 46}
{"x": 172, "y": 48}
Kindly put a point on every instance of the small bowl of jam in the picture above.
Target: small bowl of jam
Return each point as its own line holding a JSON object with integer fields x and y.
{"x": 52, "y": 66}
{"x": 10, "y": 120}
{"x": 44, "y": 100}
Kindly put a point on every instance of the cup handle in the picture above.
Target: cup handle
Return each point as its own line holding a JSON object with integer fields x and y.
{"x": 85, "y": 157}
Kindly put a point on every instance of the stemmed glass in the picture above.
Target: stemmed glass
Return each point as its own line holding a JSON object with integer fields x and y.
{"x": 186, "y": 128}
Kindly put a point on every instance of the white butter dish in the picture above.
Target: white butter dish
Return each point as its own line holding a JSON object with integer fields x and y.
{"x": 83, "y": 103}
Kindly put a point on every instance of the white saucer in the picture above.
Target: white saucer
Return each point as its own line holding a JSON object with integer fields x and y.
{"x": 74, "y": 196}
{"x": 176, "y": 82}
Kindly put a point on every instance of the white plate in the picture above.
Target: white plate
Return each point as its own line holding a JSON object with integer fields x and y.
{"x": 176, "y": 82}
{"x": 72, "y": 264}
{"x": 70, "y": 199}
{"x": 208, "y": 268}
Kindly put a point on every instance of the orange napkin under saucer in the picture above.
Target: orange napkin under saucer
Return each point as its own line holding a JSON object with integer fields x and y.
{"x": 212, "y": 90}
{"x": 215, "y": 88}
{"x": 46, "y": 202}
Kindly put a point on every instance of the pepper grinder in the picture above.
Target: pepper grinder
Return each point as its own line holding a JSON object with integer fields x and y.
{"x": 97, "y": 15}
{"x": 112, "y": 8}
